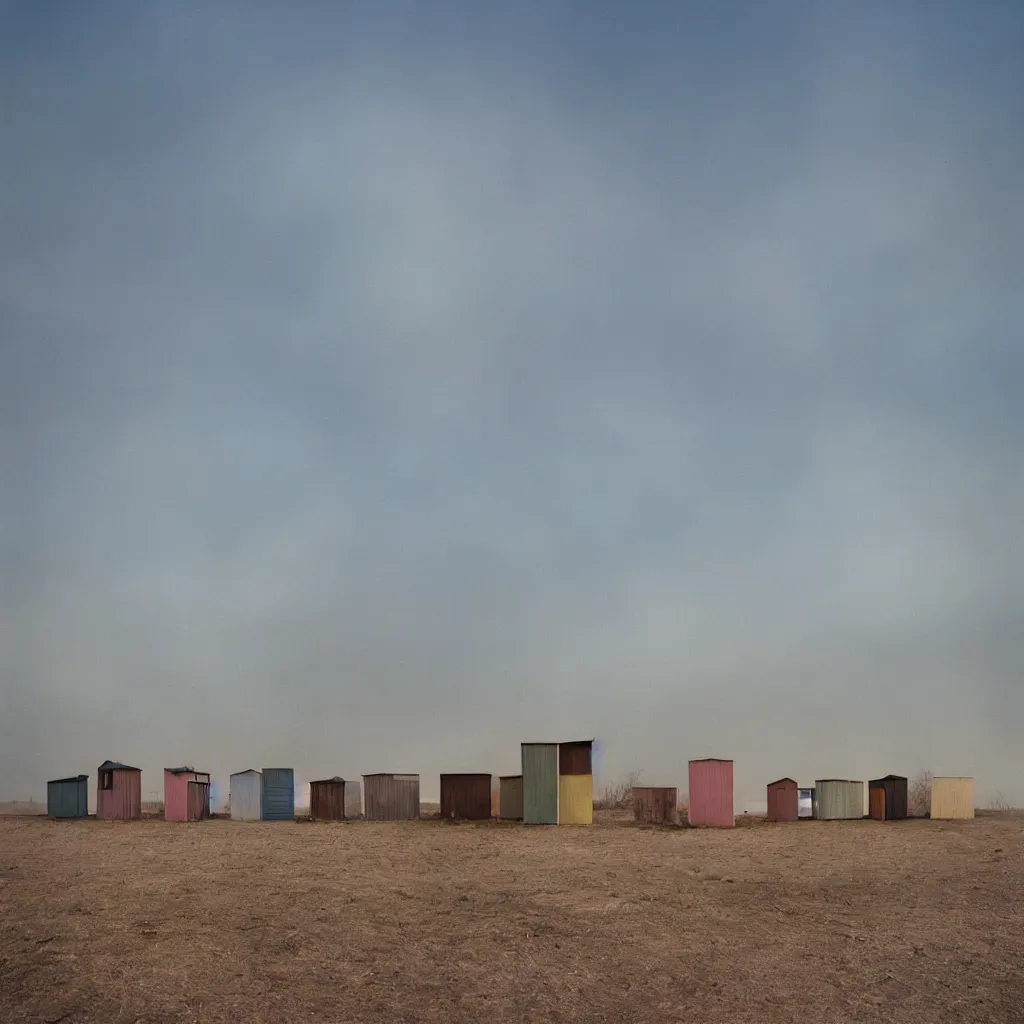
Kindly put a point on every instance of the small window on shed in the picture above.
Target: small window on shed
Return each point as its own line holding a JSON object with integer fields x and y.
{"x": 106, "y": 780}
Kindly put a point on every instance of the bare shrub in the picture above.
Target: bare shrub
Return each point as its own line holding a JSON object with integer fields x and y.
{"x": 1000, "y": 803}
{"x": 919, "y": 796}
{"x": 619, "y": 795}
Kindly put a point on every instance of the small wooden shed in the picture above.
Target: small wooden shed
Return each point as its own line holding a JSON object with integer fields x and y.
{"x": 389, "y": 797}
{"x": 118, "y": 792}
{"x": 887, "y": 798}
{"x": 327, "y": 799}
{"x": 466, "y": 796}
{"x": 783, "y": 800}
{"x": 952, "y": 798}
{"x": 656, "y": 805}
{"x": 711, "y": 793}
{"x": 510, "y": 797}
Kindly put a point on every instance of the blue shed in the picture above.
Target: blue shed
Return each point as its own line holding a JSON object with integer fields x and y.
{"x": 278, "y": 794}
{"x": 68, "y": 798}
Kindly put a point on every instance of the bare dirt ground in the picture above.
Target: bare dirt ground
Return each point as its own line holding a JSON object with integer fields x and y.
{"x": 426, "y": 921}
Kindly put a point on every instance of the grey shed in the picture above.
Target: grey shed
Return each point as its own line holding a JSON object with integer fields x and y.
{"x": 278, "y": 796}
{"x": 68, "y": 798}
{"x": 838, "y": 799}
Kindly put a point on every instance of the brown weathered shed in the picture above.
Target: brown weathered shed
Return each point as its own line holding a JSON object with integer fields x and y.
{"x": 656, "y": 805}
{"x": 327, "y": 799}
{"x": 887, "y": 798}
{"x": 783, "y": 800}
{"x": 466, "y": 796}
{"x": 388, "y": 797}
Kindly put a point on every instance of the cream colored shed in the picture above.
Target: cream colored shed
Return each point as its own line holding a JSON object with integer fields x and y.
{"x": 952, "y": 798}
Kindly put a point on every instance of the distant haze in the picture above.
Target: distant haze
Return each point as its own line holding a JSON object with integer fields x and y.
{"x": 385, "y": 384}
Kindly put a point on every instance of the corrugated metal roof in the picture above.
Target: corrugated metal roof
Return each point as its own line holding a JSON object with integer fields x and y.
{"x": 248, "y": 771}
{"x": 185, "y": 770}
{"x": 70, "y": 778}
{"x": 108, "y": 766}
{"x": 785, "y": 778}
{"x": 333, "y": 778}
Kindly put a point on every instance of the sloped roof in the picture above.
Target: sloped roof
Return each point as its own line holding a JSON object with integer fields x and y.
{"x": 785, "y": 779}
{"x": 336, "y": 778}
{"x": 185, "y": 770}
{"x": 70, "y": 778}
{"x": 109, "y": 766}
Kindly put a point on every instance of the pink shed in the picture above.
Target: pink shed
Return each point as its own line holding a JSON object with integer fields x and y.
{"x": 711, "y": 793}
{"x": 186, "y": 794}
{"x": 118, "y": 792}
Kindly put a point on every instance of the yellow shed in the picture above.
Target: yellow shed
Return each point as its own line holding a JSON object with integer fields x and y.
{"x": 575, "y": 783}
{"x": 952, "y": 798}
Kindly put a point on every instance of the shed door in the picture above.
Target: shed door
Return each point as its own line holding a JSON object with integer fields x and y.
{"x": 198, "y": 801}
{"x": 876, "y": 802}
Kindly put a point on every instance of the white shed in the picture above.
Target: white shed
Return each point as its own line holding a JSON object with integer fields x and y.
{"x": 353, "y": 801}
{"x": 245, "y": 798}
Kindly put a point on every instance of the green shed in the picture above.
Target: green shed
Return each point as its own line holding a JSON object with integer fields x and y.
{"x": 68, "y": 798}
{"x": 540, "y": 783}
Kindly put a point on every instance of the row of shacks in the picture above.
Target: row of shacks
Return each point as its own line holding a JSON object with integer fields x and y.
{"x": 711, "y": 798}
{"x": 952, "y": 798}
{"x": 119, "y": 794}
{"x": 556, "y": 787}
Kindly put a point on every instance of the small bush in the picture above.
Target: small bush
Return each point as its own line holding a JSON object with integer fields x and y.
{"x": 619, "y": 795}
{"x": 919, "y": 796}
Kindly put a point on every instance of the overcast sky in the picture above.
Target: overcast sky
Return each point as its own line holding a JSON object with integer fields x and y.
{"x": 384, "y": 384}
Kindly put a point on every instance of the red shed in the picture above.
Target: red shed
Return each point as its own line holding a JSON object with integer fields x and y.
{"x": 658, "y": 805}
{"x": 783, "y": 800}
{"x": 186, "y": 794}
{"x": 466, "y": 796}
{"x": 118, "y": 792}
{"x": 711, "y": 800}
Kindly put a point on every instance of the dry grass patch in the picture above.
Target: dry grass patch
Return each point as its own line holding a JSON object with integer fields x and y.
{"x": 221, "y": 921}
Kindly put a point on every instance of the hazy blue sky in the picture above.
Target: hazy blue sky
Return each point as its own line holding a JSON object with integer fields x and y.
{"x": 383, "y": 384}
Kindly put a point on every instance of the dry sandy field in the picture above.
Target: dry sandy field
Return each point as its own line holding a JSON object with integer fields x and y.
{"x": 426, "y": 921}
